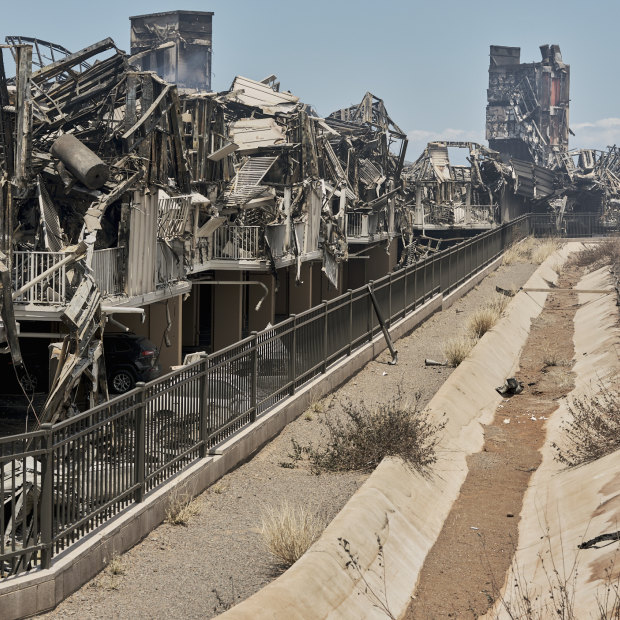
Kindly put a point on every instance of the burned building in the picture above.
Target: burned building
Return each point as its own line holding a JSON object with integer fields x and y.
{"x": 176, "y": 45}
{"x": 528, "y": 103}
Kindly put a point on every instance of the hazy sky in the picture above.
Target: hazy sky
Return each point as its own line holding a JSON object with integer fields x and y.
{"x": 427, "y": 60}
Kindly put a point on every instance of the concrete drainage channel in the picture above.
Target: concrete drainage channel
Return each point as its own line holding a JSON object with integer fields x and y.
{"x": 564, "y": 507}
{"x": 393, "y": 520}
{"x": 42, "y": 590}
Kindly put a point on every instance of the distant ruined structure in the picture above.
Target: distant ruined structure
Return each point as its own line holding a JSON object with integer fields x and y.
{"x": 527, "y": 109}
{"x": 176, "y": 45}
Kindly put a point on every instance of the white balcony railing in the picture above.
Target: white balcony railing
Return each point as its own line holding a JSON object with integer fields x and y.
{"x": 107, "y": 265}
{"x": 29, "y": 265}
{"x": 236, "y": 242}
{"x": 108, "y": 270}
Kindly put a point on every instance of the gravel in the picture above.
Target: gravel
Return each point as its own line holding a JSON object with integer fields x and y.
{"x": 219, "y": 558}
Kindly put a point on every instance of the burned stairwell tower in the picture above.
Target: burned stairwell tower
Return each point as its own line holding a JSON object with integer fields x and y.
{"x": 527, "y": 105}
{"x": 176, "y": 45}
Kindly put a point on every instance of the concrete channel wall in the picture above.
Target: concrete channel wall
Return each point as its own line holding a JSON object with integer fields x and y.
{"x": 41, "y": 590}
{"x": 393, "y": 520}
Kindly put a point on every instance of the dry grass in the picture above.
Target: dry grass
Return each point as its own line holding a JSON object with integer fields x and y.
{"x": 482, "y": 320}
{"x": 592, "y": 431}
{"x": 595, "y": 255}
{"x": 457, "y": 349}
{"x": 115, "y": 566}
{"x": 519, "y": 252}
{"x": 288, "y": 531}
{"x": 544, "y": 250}
{"x": 531, "y": 250}
{"x": 181, "y": 508}
{"x": 500, "y": 302}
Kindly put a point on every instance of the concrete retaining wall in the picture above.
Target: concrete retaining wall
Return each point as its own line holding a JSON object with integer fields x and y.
{"x": 397, "y": 511}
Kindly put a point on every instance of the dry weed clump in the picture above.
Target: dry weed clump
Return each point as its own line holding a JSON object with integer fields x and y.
{"x": 543, "y": 250}
{"x": 520, "y": 252}
{"x": 181, "y": 508}
{"x": 482, "y": 320}
{"x": 595, "y": 255}
{"x": 362, "y": 436}
{"x": 592, "y": 431}
{"x": 531, "y": 250}
{"x": 457, "y": 349}
{"x": 288, "y": 531}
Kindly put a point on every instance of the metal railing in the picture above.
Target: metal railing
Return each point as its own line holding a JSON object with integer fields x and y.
{"x": 29, "y": 265}
{"x": 109, "y": 270}
{"x": 236, "y": 242}
{"x": 63, "y": 481}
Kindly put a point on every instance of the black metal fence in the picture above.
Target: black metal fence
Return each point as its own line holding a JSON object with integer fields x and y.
{"x": 63, "y": 481}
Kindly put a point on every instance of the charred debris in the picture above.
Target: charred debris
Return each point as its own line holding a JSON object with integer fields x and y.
{"x": 117, "y": 186}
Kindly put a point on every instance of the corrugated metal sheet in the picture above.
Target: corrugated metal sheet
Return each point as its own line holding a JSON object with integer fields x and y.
{"x": 260, "y": 95}
{"x": 251, "y": 134}
{"x": 440, "y": 161}
{"x": 142, "y": 244}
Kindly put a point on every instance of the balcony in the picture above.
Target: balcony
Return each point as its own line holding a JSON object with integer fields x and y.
{"x": 365, "y": 227}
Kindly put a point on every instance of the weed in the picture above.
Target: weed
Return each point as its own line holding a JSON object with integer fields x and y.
{"x": 551, "y": 359}
{"x": 308, "y": 417}
{"x": 530, "y": 250}
{"x": 379, "y": 599}
{"x": 499, "y": 302}
{"x": 296, "y": 455}
{"x": 317, "y": 407}
{"x": 593, "y": 429}
{"x": 595, "y": 255}
{"x": 457, "y": 349}
{"x": 224, "y": 603}
{"x": 544, "y": 250}
{"x": 181, "y": 508}
{"x": 360, "y": 438}
{"x": 115, "y": 566}
{"x": 482, "y": 320}
{"x": 218, "y": 489}
{"x": 288, "y": 531}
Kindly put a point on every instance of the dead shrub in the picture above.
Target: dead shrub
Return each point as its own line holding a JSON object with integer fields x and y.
{"x": 288, "y": 531}
{"x": 362, "y": 436}
{"x": 181, "y": 508}
{"x": 482, "y": 320}
{"x": 499, "y": 302}
{"x": 592, "y": 431}
{"x": 595, "y": 255}
{"x": 544, "y": 250}
{"x": 457, "y": 349}
{"x": 519, "y": 252}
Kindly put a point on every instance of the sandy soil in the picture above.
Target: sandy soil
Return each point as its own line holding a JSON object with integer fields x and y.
{"x": 219, "y": 558}
{"x": 466, "y": 567}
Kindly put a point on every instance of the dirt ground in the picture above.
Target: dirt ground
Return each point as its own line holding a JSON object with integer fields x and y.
{"x": 465, "y": 569}
{"x": 219, "y": 558}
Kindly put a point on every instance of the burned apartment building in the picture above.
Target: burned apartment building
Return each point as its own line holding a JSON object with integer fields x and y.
{"x": 528, "y": 105}
{"x": 186, "y": 216}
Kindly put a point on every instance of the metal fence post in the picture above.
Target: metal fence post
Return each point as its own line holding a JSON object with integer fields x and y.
{"x": 389, "y": 321}
{"x": 140, "y": 440}
{"x": 324, "y": 302}
{"x": 293, "y": 357}
{"x": 370, "y": 324}
{"x": 350, "y": 291}
{"x": 47, "y": 495}
{"x": 254, "y": 393}
{"x": 204, "y": 407}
